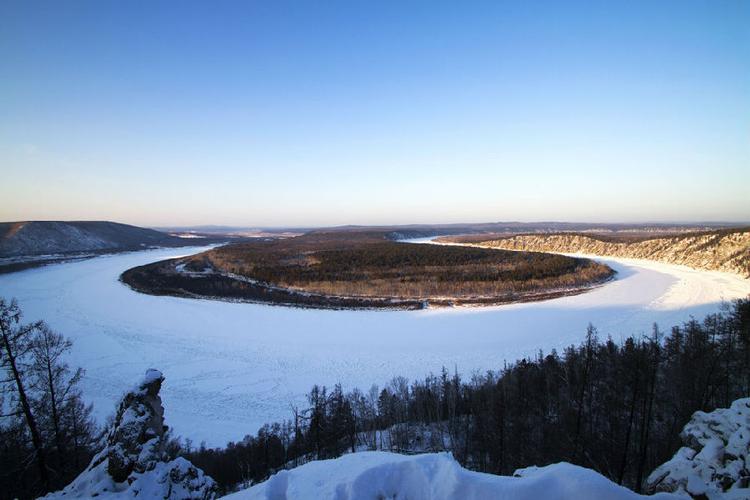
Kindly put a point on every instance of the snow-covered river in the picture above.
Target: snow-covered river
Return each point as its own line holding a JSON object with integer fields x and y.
{"x": 231, "y": 367}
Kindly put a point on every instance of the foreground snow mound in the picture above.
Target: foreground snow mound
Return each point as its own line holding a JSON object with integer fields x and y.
{"x": 434, "y": 476}
{"x": 715, "y": 461}
{"x": 134, "y": 462}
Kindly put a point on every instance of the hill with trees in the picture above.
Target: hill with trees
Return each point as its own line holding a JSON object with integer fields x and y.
{"x": 726, "y": 250}
{"x": 34, "y": 243}
{"x": 49, "y": 237}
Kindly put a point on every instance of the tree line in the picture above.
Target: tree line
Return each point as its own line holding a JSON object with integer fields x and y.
{"x": 614, "y": 407}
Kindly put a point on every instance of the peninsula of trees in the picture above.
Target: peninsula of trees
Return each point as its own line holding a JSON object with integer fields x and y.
{"x": 367, "y": 270}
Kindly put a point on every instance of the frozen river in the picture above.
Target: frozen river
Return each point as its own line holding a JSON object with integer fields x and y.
{"x": 231, "y": 367}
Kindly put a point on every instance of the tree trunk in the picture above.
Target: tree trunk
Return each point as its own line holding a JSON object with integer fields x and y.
{"x": 624, "y": 463}
{"x": 55, "y": 417}
{"x": 36, "y": 439}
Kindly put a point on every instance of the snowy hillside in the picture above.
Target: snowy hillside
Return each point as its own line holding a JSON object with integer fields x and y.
{"x": 435, "y": 476}
{"x": 52, "y": 237}
{"x": 725, "y": 250}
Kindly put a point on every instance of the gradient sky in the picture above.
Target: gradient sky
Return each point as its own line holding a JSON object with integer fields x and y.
{"x": 321, "y": 113}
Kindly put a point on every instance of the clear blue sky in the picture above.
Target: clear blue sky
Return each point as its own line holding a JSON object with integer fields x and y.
{"x": 321, "y": 113}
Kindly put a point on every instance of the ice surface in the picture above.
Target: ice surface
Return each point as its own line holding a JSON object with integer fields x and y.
{"x": 232, "y": 367}
{"x": 435, "y": 476}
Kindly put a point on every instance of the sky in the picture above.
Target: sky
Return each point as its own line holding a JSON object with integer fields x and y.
{"x": 325, "y": 113}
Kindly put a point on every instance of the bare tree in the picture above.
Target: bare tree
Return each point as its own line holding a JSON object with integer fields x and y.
{"x": 56, "y": 385}
{"x": 17, "y": 342}
{"x": 46, "y": 422}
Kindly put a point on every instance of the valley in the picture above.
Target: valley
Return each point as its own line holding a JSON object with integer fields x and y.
{"x": 243, "y": 364}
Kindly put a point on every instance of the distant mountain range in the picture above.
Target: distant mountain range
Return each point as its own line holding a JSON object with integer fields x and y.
{"x": 31, "y": 243}
{"x": 418, "y": 230}
{"x": 59, "y": 237}
{"x": 485, "y": 231}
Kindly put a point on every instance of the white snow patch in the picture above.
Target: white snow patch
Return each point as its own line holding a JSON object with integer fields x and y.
{"x": 151, "y": 376}
{"x": 436, "y": 476}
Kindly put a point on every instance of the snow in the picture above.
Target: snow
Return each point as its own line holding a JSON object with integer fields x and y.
{"x": 436, "y": 476}
{"x": 151, "y": 376}
{"x": 238, "y": 366}
{"x": 173, "y": 480}
{"x": 716, "y": 456}
{"x": 133, "y": 462}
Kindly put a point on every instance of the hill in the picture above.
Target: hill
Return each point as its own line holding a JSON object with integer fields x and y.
{"x": 45, "y": 237}
{"x": 726, "y": 250}
{"x": 35, "y": 243}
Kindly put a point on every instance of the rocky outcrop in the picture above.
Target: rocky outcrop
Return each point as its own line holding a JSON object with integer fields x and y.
{"x": 135, "y": 442}
{"x": 134, "y": 462}
{"x": 715, "y": 461}
{"x": 723, "y": 250}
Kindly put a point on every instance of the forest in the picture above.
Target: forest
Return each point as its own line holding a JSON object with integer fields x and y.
{"x": 615, "y": 407}
{"x": 363, "y": 269}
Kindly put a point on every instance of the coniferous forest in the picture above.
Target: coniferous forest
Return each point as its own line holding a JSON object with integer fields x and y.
{"x": 614, "y": 407}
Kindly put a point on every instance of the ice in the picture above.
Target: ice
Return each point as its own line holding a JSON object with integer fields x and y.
{"x": 232, "y": 367}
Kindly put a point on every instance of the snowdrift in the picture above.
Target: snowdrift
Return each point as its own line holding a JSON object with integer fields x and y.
{"x": 435, "y": 476}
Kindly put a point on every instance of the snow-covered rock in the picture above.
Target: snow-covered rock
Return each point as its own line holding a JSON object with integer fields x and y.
{"x": 715, "y": 461}
{"x": 134, "y": 462}
{"x": 434, "y": 476}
